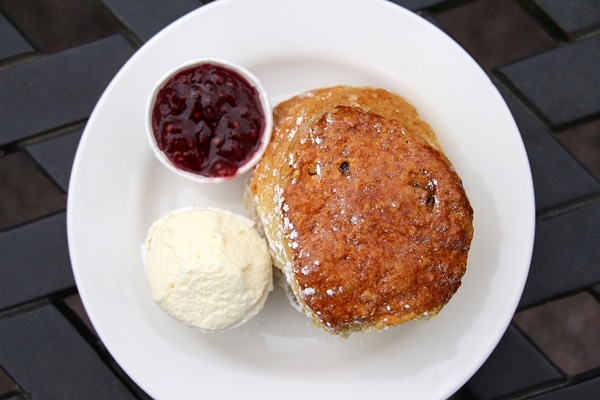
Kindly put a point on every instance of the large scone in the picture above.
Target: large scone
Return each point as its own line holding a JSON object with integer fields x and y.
{"x": 363, "y": 212}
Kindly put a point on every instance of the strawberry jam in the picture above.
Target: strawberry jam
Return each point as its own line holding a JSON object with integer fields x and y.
{"x": 208, "y": 120}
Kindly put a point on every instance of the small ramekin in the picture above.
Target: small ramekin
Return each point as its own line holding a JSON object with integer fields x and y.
{"x": 252, "y": 81}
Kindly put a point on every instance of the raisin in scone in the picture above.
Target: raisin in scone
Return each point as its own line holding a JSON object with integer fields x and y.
{"x": 364, "y": 214}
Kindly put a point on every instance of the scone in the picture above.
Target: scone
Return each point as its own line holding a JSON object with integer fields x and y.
{"x": 363, "y": 212}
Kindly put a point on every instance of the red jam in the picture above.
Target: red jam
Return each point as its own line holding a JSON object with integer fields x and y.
{"x": 208, "y": 120}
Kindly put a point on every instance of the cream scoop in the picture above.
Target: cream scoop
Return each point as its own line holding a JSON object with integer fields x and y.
{"x": 207, "y": 268}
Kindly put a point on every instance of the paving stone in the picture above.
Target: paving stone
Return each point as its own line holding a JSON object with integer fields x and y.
{"x": 76, "y": 305}
{"x": 584, "y": 143}
{"x": 146, "y": 19}
{"x": 557, "y": 176}
{"x": 587, "y": 390}
{"x": 566, "y": 330}
{"x": 418, "y": 4}
{"x": 56, "y": 156}
{"x": 563, "y": 83}
{"x": 16, "y": 396}
{"x": 487, "y": 31}
{"x": 59, "y": 364}
{"x": 27, "y": 193}
{"x": 55, "y": 25}
{"x": 35, "y": 261}
{"x": 431, "y": 18}
{"x": 572, "y": 16}
{"x": 7, "y": 385}
{"x": 12, "y": 43}
{"x": 565, "y": 255}
{"x": 596, "y": 291}
{"x": 58, "y": 89}
{"x": 462, "y": 394}
{"x": 513, "y": 366}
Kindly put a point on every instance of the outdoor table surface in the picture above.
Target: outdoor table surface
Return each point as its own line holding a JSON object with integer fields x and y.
{"x": 58, "y": 56}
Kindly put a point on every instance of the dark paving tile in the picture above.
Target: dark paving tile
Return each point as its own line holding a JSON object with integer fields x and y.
{"x": 56, "y": 156}
{"x": 145, "y": 19}
{"x": 557, "y": 176}
{"x": 27, "y": 194}
{"x": 16, "y": 396}
{"x": 565, "y": 255}
{"x": 513, "y": 366}
{"x": 588, "y": 390}
{"x": 75, "y": 304}
{"x": 584, "y": 143}
{"x": 566, "y": 331}
{"x": 596, "y": 291}
{"x": 12, "y": 43}
{"x": 35, "y": 261}
{"x": 416, "y": 5}
{"x": 462, "y": 394}
{"x": 58, "y": 89}
{"x": 572, "y": 16}
{"x": 563, "y": 83}
{"x": 59, "y": 364}
{"x": 7, "y": 385}
{"x": 55, "y": 25}
{"x": 495, "y": 32}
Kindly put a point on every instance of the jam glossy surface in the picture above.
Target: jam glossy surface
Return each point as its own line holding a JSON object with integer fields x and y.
{"x": 208, "y": 120}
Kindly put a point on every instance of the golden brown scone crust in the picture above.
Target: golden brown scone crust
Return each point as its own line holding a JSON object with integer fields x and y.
{"x": 364, "y": 214}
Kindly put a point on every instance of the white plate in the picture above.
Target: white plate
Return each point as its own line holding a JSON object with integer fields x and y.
{"x": 118, "y": 188}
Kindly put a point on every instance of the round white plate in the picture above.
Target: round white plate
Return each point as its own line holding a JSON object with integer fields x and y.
{"x": 118, "y": 189}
